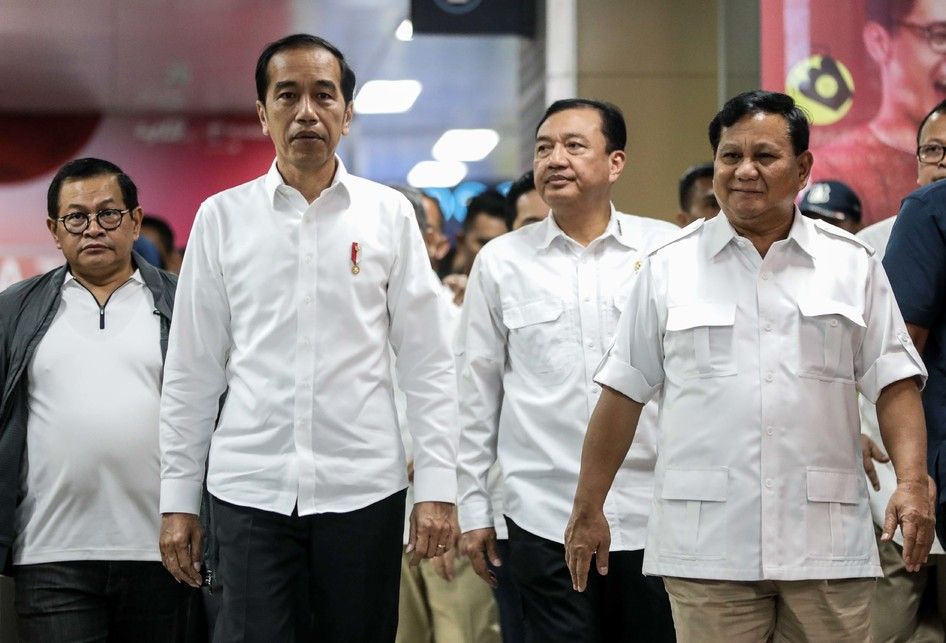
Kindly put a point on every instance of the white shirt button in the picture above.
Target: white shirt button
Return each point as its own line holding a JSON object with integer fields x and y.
{"x": 766, "y": 275}
{"x": 770, "y": 430}
{"x": 595, "y": 389}
{"x": 768, "y": 327}
{"x": 768, "y": 483}
{"x": 833, "y": 322}
{"x": 308, "y": 258}
{"x": 590, "y": 343}
{"x": 903, "y": 337}
{"x": 769, "y": 376}
{"x": 308, "y": 299}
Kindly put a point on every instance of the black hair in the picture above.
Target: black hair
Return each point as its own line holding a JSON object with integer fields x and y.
{"x": 759, "y": 101}
{"x": 490, "y": 203}
{"x": 523, "y": 185}
{"x": 888, "y": 13}
{"x": 612, "y": 120}
{"x": 165, "y": 233}
{"x": 87, "y": 168}
{"x": 940, "y": 107}
{"x": 687, "y": 181}
{"x": 297, "y": 41}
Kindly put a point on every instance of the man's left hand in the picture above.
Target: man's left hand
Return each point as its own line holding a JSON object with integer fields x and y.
{"x": 432, "y": 533}
{"x": 911, "y": 509}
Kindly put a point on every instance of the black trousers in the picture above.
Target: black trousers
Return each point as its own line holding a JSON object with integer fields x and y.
{"x": 622, "y": 606}
{"x": 327, "y": 577}
{"x": 99, "y": 601}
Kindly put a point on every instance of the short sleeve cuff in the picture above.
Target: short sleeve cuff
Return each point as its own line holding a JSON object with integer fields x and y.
{"x": 181, "y": 496}
{"x": 891, "y": 368}
{"x": 475, "y": 514}
{"x": 435, "y": 485}
{"x": 625, "y": 379}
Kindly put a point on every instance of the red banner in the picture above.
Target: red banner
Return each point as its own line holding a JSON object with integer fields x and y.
{"x": 866, "y": 73}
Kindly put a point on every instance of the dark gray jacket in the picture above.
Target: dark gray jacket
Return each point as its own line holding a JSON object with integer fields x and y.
{"x": 26, "y": 311}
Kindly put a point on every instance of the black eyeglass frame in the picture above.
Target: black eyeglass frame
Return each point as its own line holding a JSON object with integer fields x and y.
{"x": 927, "y": 146}
{"x": 98, "y": 219}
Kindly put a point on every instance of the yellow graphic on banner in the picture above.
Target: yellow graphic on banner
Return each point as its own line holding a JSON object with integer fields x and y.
{"x": 823, "y": 87}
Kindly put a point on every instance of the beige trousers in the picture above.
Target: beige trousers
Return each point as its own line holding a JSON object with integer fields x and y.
{"x": 433, "y": 610}
{"x": 758, "y": 611}
{"x": 908, "y": 607}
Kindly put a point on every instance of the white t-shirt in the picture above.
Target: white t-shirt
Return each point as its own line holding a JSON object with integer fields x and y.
{"x": 90, "y": 479}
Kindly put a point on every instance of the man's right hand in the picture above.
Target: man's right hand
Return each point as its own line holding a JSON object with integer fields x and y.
{"x": 182, "y": 545}
{"x": 870, "y": 451}
{"x": 480, "y": 545}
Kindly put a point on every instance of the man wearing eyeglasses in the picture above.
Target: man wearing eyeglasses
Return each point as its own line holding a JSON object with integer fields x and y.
{"x": 81, "y": 355}
{"x": 907, "y": 40}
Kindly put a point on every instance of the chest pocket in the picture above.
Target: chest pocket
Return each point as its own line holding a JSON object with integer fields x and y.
{"x": 828, "y": 330}
{"x": 700, "y": 339}
{"x": 540, "y": 342}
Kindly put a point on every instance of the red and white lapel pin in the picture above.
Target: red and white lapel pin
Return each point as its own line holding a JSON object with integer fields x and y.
{"x": 355, "y": 257}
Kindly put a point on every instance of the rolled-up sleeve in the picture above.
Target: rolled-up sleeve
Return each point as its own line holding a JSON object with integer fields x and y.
{"x": 480, "y": 351}
{"x": 195, "y": 369}
{"x": 424, "y": 364}
{"x": 633, "y": 365}
{"x": 886, "y": 354}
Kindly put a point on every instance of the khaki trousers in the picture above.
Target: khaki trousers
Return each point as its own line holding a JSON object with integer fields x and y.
{"x": 908, "y": 607}
{"x": 756, "y": 611}
{"x": 433, "y": 610}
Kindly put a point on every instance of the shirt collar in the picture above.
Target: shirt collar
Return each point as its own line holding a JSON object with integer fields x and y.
{"x": 135, "y": 276}
{"x": 616, "y": 228}
{"x": 719, "y": 232}
{"x": 274, "y": 180}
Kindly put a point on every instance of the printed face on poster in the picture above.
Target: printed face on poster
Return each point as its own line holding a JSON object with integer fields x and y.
{"x": 866, "y": 72}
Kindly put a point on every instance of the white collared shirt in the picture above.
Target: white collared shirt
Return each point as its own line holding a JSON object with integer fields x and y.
{"x": 758, "y": 361}
{"x": 91, "y": 455}
{"x": 271, "y": 307}
{"x": 539, "y": 313}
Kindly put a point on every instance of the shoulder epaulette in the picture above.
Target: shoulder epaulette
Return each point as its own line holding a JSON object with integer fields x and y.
{"x": 682, "y": 234}
{"x": 835, "y": 231}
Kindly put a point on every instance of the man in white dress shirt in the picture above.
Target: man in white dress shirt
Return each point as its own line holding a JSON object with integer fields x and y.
{"x": 541, "y": 308}
{"x": 293, "y": 287}
{"x": 754, "y": 330}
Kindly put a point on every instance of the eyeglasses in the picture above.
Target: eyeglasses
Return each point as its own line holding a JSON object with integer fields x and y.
{"x": 77, "y": 222}
{"x": 931, "y": 153}
{"x": 934, "y": 33}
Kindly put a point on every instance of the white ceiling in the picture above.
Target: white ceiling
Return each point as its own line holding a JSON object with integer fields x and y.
{"x": 169, "y": 56}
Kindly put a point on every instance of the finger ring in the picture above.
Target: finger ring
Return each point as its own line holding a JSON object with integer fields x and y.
{"x": 441, "y": 546}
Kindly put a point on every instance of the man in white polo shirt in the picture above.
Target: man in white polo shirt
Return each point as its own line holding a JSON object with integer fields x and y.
{"x": 754, "y": 330}
{"x": 540, "y": 310}
{"x": 81, "y": 356}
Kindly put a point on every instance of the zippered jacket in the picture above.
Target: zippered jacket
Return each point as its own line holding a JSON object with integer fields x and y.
{"x": 26, "y": 312}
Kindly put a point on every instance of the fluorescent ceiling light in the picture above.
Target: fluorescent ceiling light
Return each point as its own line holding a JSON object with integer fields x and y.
{"x": 387, "y": 96}
{"x": 405, "y": 31}
{"x": 465, "y": 144}
{"x": 436, "y": 174}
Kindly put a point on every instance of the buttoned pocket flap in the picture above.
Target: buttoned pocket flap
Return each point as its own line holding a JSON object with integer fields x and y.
{"x": 535, "y": 312}
{"x": 817, "y": 307}
{"x": 696, "y": 315}
{"x": 708, "y": 485}
{"x": 828, "y": 485}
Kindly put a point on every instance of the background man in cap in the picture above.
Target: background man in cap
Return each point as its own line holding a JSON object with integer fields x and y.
{"x": 834, "y": 202}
